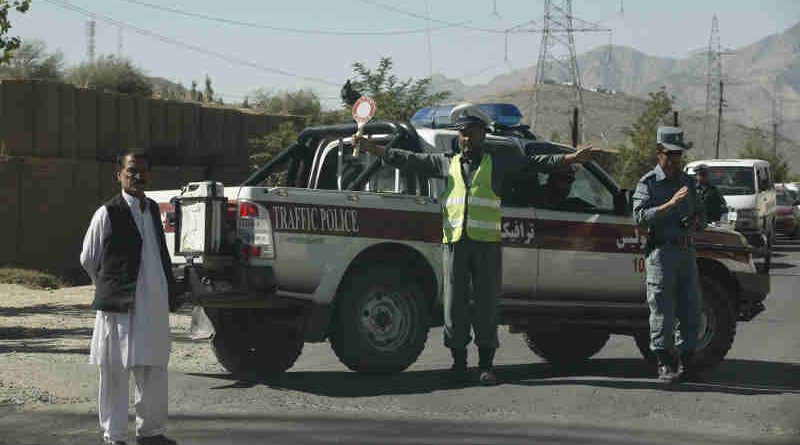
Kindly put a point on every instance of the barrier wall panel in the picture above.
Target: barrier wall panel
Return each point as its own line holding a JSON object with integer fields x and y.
{"x": 190, "y": 134}
{"x": 10, "y": 169}
{"x": 107, "y": 126}
{"x": 212, "y": 121}
{"x": 48, "y": 215}
{"x": 128, "y": 127}
{"x": 159, "y": 141}
{"x": 174, "y": 126}
{"x": 165, "y": 178}
{"x": 86, "y": 118}
{"x": 46, "y": 123}
{"x": 231, "y": 138}
{"x": 143, "y": 119}
{"x": 69, "y": 122}
{"x": 107, "y": 181}
{"x": 16, "y": 127}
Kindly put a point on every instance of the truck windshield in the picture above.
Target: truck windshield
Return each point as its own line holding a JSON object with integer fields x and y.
{"x": 733, "y": 180}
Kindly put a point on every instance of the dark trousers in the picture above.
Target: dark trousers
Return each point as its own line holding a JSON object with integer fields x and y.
{"x": 471, "y": 282}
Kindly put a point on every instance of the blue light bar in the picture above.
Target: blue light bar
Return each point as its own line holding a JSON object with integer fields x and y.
{"x": 503, "y": 114}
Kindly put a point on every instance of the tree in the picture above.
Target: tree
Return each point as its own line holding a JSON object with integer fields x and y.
{"x": 396, "y": 99}
{"x": 264, "y": 148}
{"x": 208, "y": 94}
{"x": 193, "y": 93}
{"x": 299, "y": 103}
{"x": 9, "y": 44}
{"x": 757, "y": 147}
{"x": 113, "y": 74}
{"x": 32, "y": 61}
{"x": 637, "y": 158}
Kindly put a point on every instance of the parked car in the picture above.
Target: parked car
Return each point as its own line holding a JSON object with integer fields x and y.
{"x": 787, "y": 211}
{"x": 749, "y": 191}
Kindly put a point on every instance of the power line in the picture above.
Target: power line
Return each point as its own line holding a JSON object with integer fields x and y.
{"x": 230, "y": 59}
{"x": 198, "y": 15}
{"x": 422, "y": 17}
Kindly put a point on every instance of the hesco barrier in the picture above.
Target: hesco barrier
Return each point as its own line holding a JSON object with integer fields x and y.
{"x": 54, "y": 120}
{"x": 47, "y": 204}
{"x": 9, "y": 208}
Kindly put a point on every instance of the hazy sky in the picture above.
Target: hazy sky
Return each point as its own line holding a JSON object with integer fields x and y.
{"x": 670, "y": 28}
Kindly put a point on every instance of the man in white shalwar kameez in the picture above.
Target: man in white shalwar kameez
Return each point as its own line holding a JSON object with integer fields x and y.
{"x": 131, "y": 331}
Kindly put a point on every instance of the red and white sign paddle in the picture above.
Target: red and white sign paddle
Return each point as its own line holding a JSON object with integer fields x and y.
{"x": 363, "y": 112}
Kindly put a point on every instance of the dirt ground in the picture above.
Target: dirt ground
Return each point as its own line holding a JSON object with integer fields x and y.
{"x": 42, "y": 328}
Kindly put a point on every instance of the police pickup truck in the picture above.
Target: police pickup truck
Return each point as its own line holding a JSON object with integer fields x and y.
{"x": 319, "y": 244}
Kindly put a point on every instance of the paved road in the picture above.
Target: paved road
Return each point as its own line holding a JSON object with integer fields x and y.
{"x": 752, "y": 397}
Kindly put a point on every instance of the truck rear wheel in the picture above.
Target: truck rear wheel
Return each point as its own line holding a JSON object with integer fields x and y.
{"x": 381, "y": 321}
{"x": 716, "y": 332}
{"x": 252, "y": 344}
{"x": 566, "y": 348}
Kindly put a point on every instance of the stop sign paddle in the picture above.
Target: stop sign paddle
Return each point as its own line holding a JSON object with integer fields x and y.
{"x": 363, "y": 112}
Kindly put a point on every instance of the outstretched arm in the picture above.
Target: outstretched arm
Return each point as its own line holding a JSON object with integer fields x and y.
{"x": 423, "y": 164}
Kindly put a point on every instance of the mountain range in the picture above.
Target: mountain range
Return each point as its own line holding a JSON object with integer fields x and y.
{"x": 753, "y": 76}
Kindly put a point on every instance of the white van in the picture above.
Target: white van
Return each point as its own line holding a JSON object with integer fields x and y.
{"x": 749, "y": 192}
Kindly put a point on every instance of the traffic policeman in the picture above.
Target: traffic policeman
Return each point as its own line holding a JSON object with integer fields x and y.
{"x": 471, "y": 227}
{"x": 708, "y": 196}
{"x": 665, "y": 203}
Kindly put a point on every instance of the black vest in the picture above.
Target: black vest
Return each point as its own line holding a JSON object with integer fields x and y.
{"x": 115, "y": 285}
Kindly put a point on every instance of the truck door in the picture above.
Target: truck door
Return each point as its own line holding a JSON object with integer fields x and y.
{"x": 586, "y": 252}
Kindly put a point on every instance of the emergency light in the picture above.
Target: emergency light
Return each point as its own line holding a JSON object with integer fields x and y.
{"x": 438, "y": 116}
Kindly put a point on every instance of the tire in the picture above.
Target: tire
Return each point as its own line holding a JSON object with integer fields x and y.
{"x": 381, "y": 320}
{"x": 566, "y": 349}
{"x": 717, "y": 327}
{"x": 250, "y": 343}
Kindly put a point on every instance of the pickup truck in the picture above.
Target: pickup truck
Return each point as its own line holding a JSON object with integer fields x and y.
{"x": 320, "y": 244}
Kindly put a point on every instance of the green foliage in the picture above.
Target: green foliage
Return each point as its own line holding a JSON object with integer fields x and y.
{"x": 32, "y": 61}
{"x": 639, "y": 157}
{"x": 266, "y": 147}
{"x": 31, "y": 278}
{"x": 9, "y": 44}
{"x": 208, "y": 94}
{"x": 113, "y": 74}
{"x": 298, "y": 103}
{"x": 396, "y": 99}
{"x": 757, "y": 147}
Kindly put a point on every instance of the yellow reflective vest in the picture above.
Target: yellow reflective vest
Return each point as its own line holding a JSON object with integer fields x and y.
{"x": 479, "y": 205}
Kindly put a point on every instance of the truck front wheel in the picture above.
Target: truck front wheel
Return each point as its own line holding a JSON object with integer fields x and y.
{"x": 381, "y": 321}
{"x": 251, "y": 343}
{"x": 716, "y": 331}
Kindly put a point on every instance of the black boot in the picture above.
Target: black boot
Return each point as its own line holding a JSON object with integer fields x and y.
{"x": 486, "y": 366}
{"x": 687, "y": 370}
{"x": 667, "y": 367}
{"x": 459, "y": 368}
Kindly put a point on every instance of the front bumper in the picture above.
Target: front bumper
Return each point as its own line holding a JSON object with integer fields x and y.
{"x": 753, "y": 289}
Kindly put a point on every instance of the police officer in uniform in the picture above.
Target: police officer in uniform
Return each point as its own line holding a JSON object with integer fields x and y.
{"x": 665, "y": 203}
{"x": 471, "y": 228}
{"x": 708, "y": 197}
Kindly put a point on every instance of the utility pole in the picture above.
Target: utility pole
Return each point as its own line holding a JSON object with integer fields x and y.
{"x": 714, "y": 84}
{"x": 777, "y": 115}
{"x": 90, "y": 33}
{"x": 558, "y": 30}
{"x": 719, "y": 120}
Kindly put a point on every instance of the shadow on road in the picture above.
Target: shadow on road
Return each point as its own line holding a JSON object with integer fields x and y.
{"x": 69, "y": 428}
{"x": 742, "y": 377}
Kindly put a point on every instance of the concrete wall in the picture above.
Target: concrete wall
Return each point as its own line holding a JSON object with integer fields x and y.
{"x": 58, "y": 145}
